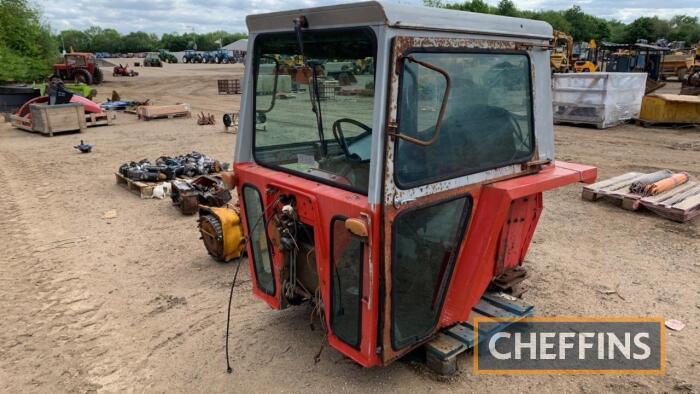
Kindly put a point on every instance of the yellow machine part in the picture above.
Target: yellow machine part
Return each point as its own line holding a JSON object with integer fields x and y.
{"x": 670, "y": 108}
{"x": 585, "y": 67}
{"x": 222, "y": 232}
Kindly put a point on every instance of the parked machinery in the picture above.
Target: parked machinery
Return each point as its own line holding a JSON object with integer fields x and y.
{"x": 560, "y": 56}
{"x": 123, "y": 71}
{"x": 79, "y": 67}
{"x": 166, "y": 56}
{"x": 691, "y": 83}
{"x": 152, "y": 60}
{"x": 637, "y": 57}
{"x": 191, "y": 56}
{"x": 393, "y": 217}
{"x": 588, "y": 59}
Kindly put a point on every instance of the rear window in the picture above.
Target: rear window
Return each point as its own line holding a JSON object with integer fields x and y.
{"x": 487, "y": 122}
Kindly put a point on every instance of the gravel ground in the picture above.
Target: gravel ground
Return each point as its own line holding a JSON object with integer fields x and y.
{"x": 134, "y": 303}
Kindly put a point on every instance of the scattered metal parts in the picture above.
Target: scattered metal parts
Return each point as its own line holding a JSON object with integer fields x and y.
{"x": 207, "y": 119}
{"x": 206, "y": 190}
{"x": 168, "y": 168}
{"x": 83, "y": 147}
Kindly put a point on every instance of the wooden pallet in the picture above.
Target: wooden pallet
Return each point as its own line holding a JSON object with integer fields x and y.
{"x": 682, "y": 203}
{"x": 664, "y": 125}
{"x": 229, "y": 86}
{"x": 103, "y": 119}
{"x": 150, "y": 112}
{"x": 142, "y": 189}
{"x": 617, "y": 188}
{"x": 442, "y": 351}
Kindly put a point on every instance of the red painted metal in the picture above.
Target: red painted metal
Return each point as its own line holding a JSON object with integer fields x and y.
{"x": 90, "y": 106}
{"x": 317, "y": 205}
{"x": 478, "y": 256}
{"x": 518, "y": 200}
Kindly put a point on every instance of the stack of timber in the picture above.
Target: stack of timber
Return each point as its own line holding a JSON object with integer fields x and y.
{"x": 150, "y": 112}
{"x": 680, "y": 203}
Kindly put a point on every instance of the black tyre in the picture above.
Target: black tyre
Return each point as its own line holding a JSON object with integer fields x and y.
{"x": 98, "y": 77}
{"x": 82, "y": 76}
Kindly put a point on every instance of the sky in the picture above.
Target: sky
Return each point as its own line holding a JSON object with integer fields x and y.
{"x": 167, "y": 16}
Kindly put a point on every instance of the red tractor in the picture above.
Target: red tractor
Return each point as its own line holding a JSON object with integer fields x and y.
{"x": 79, "y": 67}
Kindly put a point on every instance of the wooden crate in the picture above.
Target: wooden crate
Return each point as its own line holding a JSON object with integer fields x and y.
{"x": 141, "y": 189}
{"x": 50, "y": 119}
{"x": 21, "y": 122}
{"x": 150, "y": 112}
{"x": 229, "y": 86}
{"x": 682, "y": 203}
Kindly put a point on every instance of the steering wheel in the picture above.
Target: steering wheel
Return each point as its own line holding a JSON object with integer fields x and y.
{"x": 340, "y": 138}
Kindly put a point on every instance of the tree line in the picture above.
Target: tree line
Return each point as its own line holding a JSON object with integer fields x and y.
{"x": 584, "y": 27}
{"x": 96, "y": 39}
{"x": 28, "y": 48}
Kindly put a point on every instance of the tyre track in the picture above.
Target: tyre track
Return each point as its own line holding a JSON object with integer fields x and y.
{"x": 45, "y": 304}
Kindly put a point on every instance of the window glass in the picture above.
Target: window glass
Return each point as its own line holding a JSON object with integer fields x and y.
{"x": 487, "y": 122}
{"x": 346, "y": 278}
{"x": 332, "y": 84}
{"x": 425, "y": 244}
{"x": 258, "y": 239}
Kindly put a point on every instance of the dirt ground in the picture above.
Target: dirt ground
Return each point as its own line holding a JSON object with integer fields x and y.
{"x": 134, "y": 303}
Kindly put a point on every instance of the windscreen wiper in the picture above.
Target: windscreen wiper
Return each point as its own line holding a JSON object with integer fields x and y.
{"x": 300, "y": 23}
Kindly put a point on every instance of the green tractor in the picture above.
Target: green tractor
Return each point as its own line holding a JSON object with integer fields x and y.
{"x": 152, "y": 60}
{"x": 167, "y": 57}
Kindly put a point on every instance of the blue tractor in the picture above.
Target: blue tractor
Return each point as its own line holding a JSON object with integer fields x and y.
{"x": 191, "y": 56}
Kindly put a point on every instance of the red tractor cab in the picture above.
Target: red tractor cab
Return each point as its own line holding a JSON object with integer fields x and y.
{"x": 392, "y": 199}
{"x": 79, "y": 67}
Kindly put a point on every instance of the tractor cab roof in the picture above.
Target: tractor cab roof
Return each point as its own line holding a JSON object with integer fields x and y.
{"x": 374, "y": 13}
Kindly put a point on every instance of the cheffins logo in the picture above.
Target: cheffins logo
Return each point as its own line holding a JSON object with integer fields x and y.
{"x": 569, "y": 346}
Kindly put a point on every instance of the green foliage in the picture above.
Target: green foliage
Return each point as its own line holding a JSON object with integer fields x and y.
{"x": 584, "y": 27}
{"x": 27, "y": 49}
{"x": 507, "y": 8}
{"x": 640, "y": 29}
{"x": 96, "y": 39}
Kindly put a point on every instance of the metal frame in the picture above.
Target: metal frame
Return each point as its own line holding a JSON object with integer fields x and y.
{"x": 475, "y": 170}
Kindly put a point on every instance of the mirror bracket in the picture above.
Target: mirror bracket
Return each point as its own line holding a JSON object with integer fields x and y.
{"x": 393, "y": 131}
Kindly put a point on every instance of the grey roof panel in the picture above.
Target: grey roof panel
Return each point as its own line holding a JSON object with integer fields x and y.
{"x": 402, "y": 16}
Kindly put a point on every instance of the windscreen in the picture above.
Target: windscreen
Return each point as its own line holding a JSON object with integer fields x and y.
{"x": 487, "y": 122}
{"x": 314, "y": 109}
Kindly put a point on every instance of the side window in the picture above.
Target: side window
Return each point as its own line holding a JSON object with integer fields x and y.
{"x": 487, "y": 122}
{"x": 425, "y": 244}
{"x": 262, "y": 261}
{"x": 346, "y": 279}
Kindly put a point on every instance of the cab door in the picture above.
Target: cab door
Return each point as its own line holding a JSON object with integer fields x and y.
{"x": 449, "y": 131}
